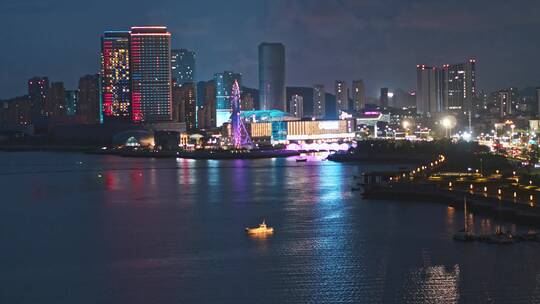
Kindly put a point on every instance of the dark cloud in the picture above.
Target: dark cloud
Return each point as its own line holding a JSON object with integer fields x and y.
{"x": 380, "y": 41}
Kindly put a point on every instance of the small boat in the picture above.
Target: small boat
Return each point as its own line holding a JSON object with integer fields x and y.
{"x": 262, "y": 229}
{"x": 500, "y": 237}
{"x": 301, "y": 160}
{"x": 531, "y": 235}
{"x": 464, "y": 236}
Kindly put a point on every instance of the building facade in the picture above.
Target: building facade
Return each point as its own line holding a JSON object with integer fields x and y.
{"x": 16, "y": 111}
{"x": 116, "y": 78}
{"x": 71, "y": 102}
{"x": 183, "y": 65}
{"x": 55, "y": 106}
{"x": 38, "y": 89}
{"x": 428, "y": 100}
{"x": 538, "y": 102}
{"x": 296, "y": 105}
{"x": 304, "y": 130}
{"x": 223, "y": 84}
{"x": 247, "y": 102}
{"x": 358, "y": 95}
{"x": 272, "y": 76}
{"x": 150, "y": 67}
{"x": 89, "y": 109}
{"x": 209, "y": 107}
{"x": 319, "y": 101}
{"x": 342, "y": 97}
{"x": 383, "y": 98}
{"x": 458, "y": 85}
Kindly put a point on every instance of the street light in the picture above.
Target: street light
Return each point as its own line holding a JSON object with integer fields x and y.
{"x": 448, "y": 122}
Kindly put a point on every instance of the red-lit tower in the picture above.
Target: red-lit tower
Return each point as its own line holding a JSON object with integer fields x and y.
{"x": 150, "y": 67}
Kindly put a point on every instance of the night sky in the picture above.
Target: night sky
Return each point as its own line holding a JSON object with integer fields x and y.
{"x": 380, "y": 41}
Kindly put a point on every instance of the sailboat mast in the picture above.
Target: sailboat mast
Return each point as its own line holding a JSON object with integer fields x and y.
{"x": 465, "y": 212}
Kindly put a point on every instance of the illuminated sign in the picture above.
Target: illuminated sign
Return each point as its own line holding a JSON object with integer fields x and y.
{"x": 329, "y": 125}
{"x": 372, "y": 113}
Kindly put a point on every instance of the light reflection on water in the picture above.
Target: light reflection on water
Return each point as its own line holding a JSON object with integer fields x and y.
{"x": 168, "y": 231}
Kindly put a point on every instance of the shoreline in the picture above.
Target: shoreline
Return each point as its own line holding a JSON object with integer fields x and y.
{"x": 200, "y": 154}
{"x": 518, "y": 212}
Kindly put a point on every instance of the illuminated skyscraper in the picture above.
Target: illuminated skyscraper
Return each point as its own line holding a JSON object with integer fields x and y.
{"x": 183, "y": 66}
{"x": 150, "y": 68}
{"x": 224, "y": 83}
{"x": 428, "y": 99}
{"x": 459, "y": 86}
{"x": 342, "y": 97}
{"x": 358, "y": 95}
{"x": 116, "y": 78}
{"x": 272, "y": 76}
{"x": 319, "y": 101}
{"x": 38, "y": 89}
{"x": 296, "y": 105}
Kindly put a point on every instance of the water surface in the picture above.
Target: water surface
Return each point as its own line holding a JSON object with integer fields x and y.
{"x": 78, "y": 228}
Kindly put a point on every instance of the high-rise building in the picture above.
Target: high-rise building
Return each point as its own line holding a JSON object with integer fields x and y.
{"x": 296, "y": 105}
{"x": 89, "y": 109}
{"x": 458, "y": 85}
{"x": 178, "y": 108}
{"x": 383, "y": 99}
{"x": 38, "y": 89}
{"x": 190, "y": 105}
{"x": 319, "y": 101}
{"x": 246, "y": 102}
{"x": 150, "y": 67}
{"x": 71, "y": 102}
{"x": 185, "y": 105}
{"x": 342, "y": 97}
{"x": 55, "y": 104}
{"x": 272, "y": 76}
{"x": 116, "y": 77}
{"x": 16, "y": 111}
{"x": 428, "y": 100}
{"x": 183, "y": 66}
{"x": 505, "y": 103}
{"x": 224, "y": 83}
{"x": 538, "y": 101}
{"x": 358, "y": 95}
{"x": 210, "y": 105}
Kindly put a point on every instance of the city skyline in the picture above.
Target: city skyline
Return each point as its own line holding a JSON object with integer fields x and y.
{"x": 384, "y": 58}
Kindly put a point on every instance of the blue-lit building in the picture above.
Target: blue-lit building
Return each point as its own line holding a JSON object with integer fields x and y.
{"x": 224, "y": 82}
{"x": 266, "y": 116}
{"x": 183, "y": 66}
